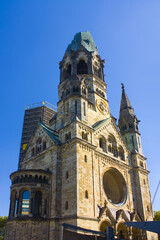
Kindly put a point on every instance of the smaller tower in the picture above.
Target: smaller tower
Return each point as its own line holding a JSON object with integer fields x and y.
{"x": 128, "y": 124}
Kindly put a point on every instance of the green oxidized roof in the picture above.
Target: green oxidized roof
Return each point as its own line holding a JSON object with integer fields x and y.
{"x": 98, "y": 124}
{"x": 50, "y": 133}
{"x": 82, "y": 39}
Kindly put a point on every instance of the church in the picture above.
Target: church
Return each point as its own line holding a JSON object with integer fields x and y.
{"x": 81, "y": 167}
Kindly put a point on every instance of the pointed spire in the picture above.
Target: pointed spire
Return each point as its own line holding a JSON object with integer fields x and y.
{"x": 127, "y": 120}
{"x": 125, "y": 103}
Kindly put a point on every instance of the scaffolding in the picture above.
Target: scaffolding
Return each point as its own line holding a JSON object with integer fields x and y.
{"x": 41, "y": 104}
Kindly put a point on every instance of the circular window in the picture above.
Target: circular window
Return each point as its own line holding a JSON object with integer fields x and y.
{"x": 115, "y": 187}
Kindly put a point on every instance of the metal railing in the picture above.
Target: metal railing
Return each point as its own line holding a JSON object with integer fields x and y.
{"x": 41, "y": 104}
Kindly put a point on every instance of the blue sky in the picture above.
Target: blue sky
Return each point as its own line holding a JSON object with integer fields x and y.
{"x": 34, "y": 35}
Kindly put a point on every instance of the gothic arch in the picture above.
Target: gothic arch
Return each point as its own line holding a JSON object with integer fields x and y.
{"x": 104, "y": 224}
{"x": 122, "y": 231}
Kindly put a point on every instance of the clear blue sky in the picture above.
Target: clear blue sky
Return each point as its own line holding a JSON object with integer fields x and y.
{"x": 34, "y": 35}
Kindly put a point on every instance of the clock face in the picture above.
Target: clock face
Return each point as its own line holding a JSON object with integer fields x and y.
{"x": 102, "y": 106}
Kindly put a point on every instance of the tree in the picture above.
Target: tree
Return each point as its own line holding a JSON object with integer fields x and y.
{"x": 156, "y": 216}
{"x": 2, "y": 227}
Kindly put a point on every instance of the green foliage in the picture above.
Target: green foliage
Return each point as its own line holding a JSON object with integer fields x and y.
{"x": 2, "y": 227}
{"x": 156, "y": 216}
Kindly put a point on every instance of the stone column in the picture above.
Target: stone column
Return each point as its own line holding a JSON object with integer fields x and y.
{"x": 90, "y": 64}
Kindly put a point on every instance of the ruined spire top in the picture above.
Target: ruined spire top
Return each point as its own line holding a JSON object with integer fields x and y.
{"x": 122, "y": 86}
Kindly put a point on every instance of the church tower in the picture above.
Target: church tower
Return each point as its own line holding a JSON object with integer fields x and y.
{"x": 81, "y": 81}
{"x": 128, "y": 124}
{"x": 82, "y": 169}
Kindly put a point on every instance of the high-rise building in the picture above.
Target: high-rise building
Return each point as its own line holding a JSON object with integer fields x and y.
{"x": 83, "y": 169}
{"x": 34, "y": 113}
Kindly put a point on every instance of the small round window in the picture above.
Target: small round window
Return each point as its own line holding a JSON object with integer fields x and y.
{"x": 115, "y": 187}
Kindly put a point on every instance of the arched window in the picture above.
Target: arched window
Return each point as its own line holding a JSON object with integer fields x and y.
{"x": 67, "y": 108}
{"x": 75, "y": 88}
{"x": 109, "y": 148}
{"x": 33, "y": 152}
{"x": 84, "y": 109}
{"x": 45, "y": 207}
{"x": 66, "y": 205}
{"x": 69, "y": 70}
{"x": 39, "y": 145}
{"x": 85, "y": 136}
{"x": 85, "y": 158}
{"x": 130, "y": 125}
{"x": 141, "y": 164}
{"x": 44, "y": 145}
{"x": 67, "y": 175}
{"x": 121, "y": 153}
{"x": 25, "y": 203}
{"x": 102, "y": 143}
{"x": 112, "y": 145}
{"x": 38, "y": 203}
{"x": 67, "y": 136}
{"x": 86, "y": 194}
{"x": 82, "y": 67}
{"x": 68, "y": 91}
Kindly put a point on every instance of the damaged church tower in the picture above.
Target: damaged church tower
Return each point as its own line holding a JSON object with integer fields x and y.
{"x": 82, "y": 169}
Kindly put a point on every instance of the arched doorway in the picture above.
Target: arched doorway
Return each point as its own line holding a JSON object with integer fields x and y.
{"x": 136, "y": 234}
{"x": 104, "y": 225}
{"x": 122, "y": 231}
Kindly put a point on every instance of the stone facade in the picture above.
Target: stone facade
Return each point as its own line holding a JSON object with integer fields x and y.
{"x": 83, "y": 169}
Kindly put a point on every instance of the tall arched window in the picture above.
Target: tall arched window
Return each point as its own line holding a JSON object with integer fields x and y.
{"x": 75, "y": 88}
{"x": 69, "y": 70}
{"x": 121, "y": 153}
{"x": 112, "y": 145}
{"x": 82, "y": 67}
{"x": 86, "y": 194}
{"x": 84, "y": 109}
{"x": 25, "y": 203}
{"x": 102, "y": 143}
{"x": 85, "y": 136}
{"x": 39, "y": 145}
{"x": 38, "y": 203}
{"x": 66, "y": 205}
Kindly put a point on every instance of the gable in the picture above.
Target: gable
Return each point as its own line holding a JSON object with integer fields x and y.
{"x": 42, "y": 139}
{"x": 109, "y": 140}
{"x": 107, "y": 127}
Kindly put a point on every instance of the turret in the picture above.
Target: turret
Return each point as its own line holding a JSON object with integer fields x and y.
{"x": 128, "y": 124}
